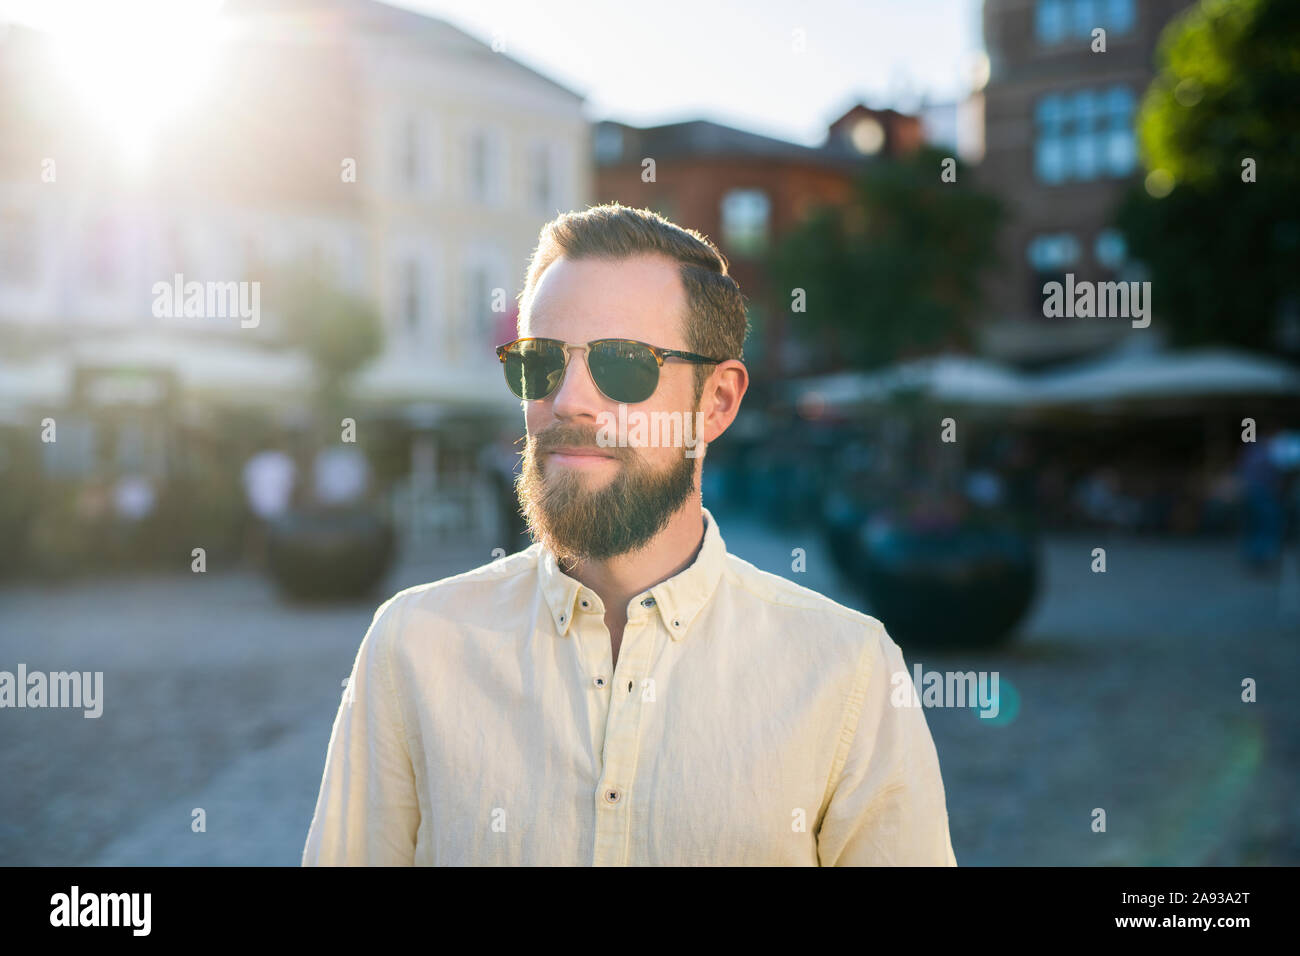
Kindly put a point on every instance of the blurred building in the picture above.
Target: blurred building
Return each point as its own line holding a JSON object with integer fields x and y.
{"x": 958, "y": 125}
{"x": 1060, "y": 149}
{"x": 745, "y": 191}
{"x": 385, "y": 151}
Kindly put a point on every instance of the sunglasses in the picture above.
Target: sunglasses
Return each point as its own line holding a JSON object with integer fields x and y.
{"x": 624, "y": 370}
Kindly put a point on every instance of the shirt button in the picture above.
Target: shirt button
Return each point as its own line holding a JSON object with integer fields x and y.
{"x": 648, "y": 602}
{"x": 613, "y": 795}
{"x": 586, "y": 604}
{"x": 598, "y": 681}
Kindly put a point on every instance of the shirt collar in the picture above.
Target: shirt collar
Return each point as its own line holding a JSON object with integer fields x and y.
{"x": 677, "y": 600}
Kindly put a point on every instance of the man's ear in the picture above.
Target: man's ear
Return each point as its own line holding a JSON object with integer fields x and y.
{"x": 723, "y": 393}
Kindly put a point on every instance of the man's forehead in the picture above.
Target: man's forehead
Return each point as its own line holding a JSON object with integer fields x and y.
{"x": 635, "y": 297}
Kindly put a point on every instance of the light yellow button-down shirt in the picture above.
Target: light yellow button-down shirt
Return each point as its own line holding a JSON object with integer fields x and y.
{"x": 748, "y": 722}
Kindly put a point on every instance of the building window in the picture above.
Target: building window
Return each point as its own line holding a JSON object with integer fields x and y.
{"x": 415, "y": 154}
{"x": 609, "y": 144}
{"x": 1109, "y": 249}
{"x": 484, "y": 167}
{"x": 353, "y": 271}
{"x": 412, "y": 299}
{"x": 1049, "y": 21}
{"x": 1118, "y": 108}
{"x": 18, "y": 248}
{"x": 410, "y": 158}
{"x": 541, "y": 176}
{"x": 1056, "y": 21}
{"x": 1049, "y": 139}
{"x": 1053, "y": 252}
{"x": 104, "y": 259}
{"x": 1051, "y": 256}
{"x": 745, "y": 221}
{"x": 1084, "y": 135}
{"x": 253, "y": 258}
{"x": 75, "y": 454}
{"x": 1119, "y": 16}
{"x": 478, "y": 316}
{"x": 484, "y": 280}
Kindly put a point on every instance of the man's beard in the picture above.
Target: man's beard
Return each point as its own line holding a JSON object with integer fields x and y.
{"x": 578, "y": 524}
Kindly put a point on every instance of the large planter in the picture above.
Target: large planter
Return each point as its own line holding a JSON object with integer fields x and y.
{"x": 329, "y": 553}
{"x": 842, "y": 519}
{"x": 965, "y": 585}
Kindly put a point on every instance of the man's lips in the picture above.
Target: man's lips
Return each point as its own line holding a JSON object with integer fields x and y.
{"x": 585, "y": 452}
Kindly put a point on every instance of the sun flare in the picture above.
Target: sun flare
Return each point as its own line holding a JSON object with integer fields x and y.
{"x": 134, "y": 65}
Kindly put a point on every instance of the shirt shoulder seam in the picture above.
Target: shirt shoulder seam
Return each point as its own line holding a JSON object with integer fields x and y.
{"x": 487, "y": 573}
{"x": 823, "y": 604}
{"x": 387, "y": 636}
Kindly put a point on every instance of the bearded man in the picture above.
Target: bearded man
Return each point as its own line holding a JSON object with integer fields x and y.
{"x": 625, "y": 691}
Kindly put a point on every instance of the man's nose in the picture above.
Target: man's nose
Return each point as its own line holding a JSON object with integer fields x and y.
{"x": 577, "y": 395}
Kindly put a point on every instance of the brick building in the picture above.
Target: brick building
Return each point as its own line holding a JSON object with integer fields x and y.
{"x": 744, "y": 191}
{"x": 1060, "y": 149}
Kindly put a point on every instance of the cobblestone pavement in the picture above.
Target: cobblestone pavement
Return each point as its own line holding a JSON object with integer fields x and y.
{"x": 1122, "y": 692}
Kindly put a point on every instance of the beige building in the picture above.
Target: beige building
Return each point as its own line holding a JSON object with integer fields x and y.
{"x": 393, "y": 153}
{"x": 396, "y": 156}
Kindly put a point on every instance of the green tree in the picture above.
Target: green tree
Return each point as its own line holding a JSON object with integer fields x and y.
{"x": 895, "y": 272}
{"x": 338, "y": 330}
{"x": 1223, "y": 252}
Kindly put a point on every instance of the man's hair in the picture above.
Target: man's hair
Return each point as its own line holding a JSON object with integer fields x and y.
{"x": 715, "y": 325}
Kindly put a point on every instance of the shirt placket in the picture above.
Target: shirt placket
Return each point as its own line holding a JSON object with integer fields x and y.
{"x": 623, "y": 722}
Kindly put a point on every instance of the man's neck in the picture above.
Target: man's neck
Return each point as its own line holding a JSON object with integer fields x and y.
{"x": 619, "y": 579}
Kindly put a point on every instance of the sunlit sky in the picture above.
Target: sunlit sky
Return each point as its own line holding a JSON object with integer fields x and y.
{"x": 732, "y": 61}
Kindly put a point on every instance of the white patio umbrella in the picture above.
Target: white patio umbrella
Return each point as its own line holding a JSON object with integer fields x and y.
{"x": 1159, "y": 374}
{"x": 945, "y": 378}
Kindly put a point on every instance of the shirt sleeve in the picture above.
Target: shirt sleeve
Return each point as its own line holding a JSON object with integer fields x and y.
{"x": 367, "y": 812}
{"x": 887, "y": 807}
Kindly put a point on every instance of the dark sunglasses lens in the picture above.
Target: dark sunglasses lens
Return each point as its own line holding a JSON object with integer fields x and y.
{"x": 533, "y": 369}
{"x": 625, "y": 371}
